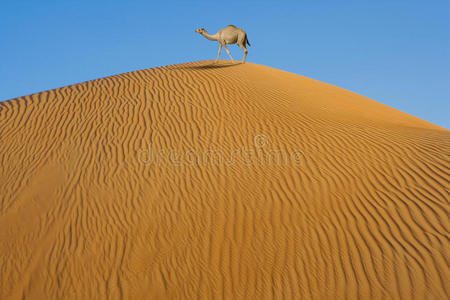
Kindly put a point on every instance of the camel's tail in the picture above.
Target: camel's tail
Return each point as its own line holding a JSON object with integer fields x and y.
{"x": 246, "y": 41}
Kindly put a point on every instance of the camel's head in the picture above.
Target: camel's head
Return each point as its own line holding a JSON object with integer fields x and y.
{"x": 200, "y": 30}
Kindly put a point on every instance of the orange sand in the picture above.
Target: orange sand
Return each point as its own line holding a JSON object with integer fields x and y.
{"x": 237, "y": 182}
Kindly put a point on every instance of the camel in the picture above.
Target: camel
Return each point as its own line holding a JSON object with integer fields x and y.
{"x": 229, "y": 35}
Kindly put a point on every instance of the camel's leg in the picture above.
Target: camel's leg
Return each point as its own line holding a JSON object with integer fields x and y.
{"x": 218, "y": 55}
{"x": 245, "y": 53}
{"x": 229, "y": 54}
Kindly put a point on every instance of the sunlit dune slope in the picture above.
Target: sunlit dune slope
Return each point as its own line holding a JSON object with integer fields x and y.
{"x": 220, "y": 182}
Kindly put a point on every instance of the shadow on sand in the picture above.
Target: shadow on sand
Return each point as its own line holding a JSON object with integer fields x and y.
{"x": 210, "y": 66}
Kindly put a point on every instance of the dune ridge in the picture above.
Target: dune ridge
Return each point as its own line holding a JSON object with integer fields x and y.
{"x": 228, "y": 182}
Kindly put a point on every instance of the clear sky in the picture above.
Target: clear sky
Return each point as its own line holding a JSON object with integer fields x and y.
{"x": 395, "y": 52}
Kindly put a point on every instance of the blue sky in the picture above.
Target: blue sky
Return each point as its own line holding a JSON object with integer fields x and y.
{"x": 395, "y": 52}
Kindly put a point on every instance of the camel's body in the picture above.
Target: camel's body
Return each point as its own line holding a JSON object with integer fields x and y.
{"x": 229, "y": 35}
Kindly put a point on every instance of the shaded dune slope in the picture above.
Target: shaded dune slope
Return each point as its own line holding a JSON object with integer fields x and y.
{"x": 237, "y": 182}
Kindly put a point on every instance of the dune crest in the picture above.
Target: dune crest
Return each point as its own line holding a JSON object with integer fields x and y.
{"x": 238, "y": 182}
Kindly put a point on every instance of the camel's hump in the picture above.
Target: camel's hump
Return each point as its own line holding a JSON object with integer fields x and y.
{"x": 232, "y": 26}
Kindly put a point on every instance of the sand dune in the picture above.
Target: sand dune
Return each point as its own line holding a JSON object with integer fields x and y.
{"x": 239, "y": 182}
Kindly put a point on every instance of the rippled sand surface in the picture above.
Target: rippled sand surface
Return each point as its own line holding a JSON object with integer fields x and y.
{"x": 220, "y": 182}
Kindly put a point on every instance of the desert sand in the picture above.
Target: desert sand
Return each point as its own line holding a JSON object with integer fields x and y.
{"x": 238, "y": 181}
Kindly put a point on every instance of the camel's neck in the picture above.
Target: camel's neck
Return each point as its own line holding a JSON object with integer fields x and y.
{"x": 209, "y": 36}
